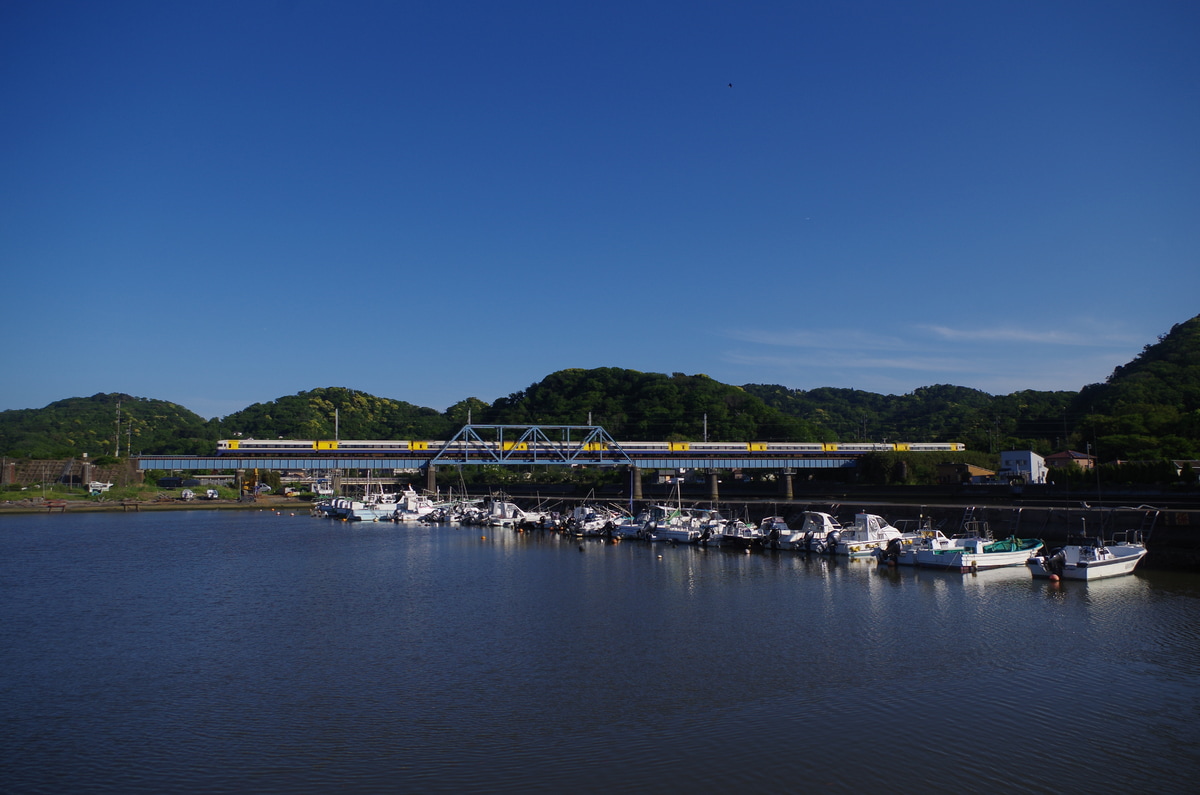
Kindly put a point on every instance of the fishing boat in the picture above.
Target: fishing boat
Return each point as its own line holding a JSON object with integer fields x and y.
{"x": 410, "y": 506}
{"x": 1086, "y": 557}
{"x": 738, "y": 534}
{"x": 778, "y": 534}
{"x": 373, "y": 507}
{"x": 973, "y": 548}
{"x": 976, "y": 553}
{"x": 676, "y": 525}
{"x": 630, "y": 526}
{"x": 502, "y": 513}
{"x": 817, "y": 532}
{"x": 868, "y": 533}
{"x": 592, "y": 521}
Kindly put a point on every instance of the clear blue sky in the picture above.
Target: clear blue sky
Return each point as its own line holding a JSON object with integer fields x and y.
{"x": 219, "y": 203}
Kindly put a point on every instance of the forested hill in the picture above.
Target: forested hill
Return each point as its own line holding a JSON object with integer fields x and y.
{"x": 637, "y": 406}
{"x": 68, "y": 428}
{"x": 1029, "y": 420}
{"x": 1147, "y": 409}
{"x": 336, "y": 412}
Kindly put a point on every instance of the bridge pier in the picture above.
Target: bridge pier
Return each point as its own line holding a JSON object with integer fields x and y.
{"x": 431, "y": 479}
{"x": 786, "y": 480}
{"x": 635, "y": 474}
{"x": 712, "y": 486}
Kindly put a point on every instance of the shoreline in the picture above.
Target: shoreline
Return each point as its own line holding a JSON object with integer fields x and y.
{"x": 25, "y": 507}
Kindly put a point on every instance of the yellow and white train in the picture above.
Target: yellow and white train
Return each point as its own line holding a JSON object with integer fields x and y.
{"x": 373, "y": 447}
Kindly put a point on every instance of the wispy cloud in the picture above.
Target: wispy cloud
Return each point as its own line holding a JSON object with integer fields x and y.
{"x": 921, "y": 355}
{"x": 825, "y": 339}
{"x": 852, "y": 361}
{"x": 1032, "y": 335}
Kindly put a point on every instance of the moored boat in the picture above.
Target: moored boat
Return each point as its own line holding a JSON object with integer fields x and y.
{"x": 977, "y": 553}
{"x": 676, "y": 525}
{"x": 868, "y": 533}
{"x": 741, "y": 535}
{"x": 1089, "y": 558}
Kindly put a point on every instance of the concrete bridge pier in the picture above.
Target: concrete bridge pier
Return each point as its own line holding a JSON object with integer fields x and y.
{"x": 713, "y": 494}
{"x": 431, "y": 479}
{"x": 786, "y": 482}
{"x": 635, "y": 474}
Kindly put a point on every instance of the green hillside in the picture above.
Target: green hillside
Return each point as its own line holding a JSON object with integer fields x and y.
{"x": 68, "y": 428}
{"x": 639, "y": 406}
{"x": 1149, "y": 408}
{"x": 1023, "y": 420}
{"x": 357, "y": 415}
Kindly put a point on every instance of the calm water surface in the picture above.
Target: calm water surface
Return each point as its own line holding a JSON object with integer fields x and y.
{"x": 219, "y": 652}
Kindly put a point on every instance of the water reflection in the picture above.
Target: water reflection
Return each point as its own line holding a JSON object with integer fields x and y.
{"x": 202, "y": 652}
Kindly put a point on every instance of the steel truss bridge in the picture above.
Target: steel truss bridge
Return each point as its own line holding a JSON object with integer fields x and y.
{"x": 511, "y": 445}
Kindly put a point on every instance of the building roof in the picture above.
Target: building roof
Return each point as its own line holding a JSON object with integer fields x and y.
{"x": 1070, "y": 455}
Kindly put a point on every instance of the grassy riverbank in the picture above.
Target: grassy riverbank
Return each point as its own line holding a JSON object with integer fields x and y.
{"x": 138, "y": 499}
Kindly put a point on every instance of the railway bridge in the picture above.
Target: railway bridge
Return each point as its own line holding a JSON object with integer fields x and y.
{"x": 525, "y": 445}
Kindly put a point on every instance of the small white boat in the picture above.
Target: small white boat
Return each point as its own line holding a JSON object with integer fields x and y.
{"x": 817, "y": 533}
{"x": 1088, "y": 558}
{"x": 976, "y": 553}
{"x": 410, "y": 506}
{"x": 372, "y": 508}
{"x": 739, "y": 534}
{"x": 868, "y": 533}
{"x": 507, "y": 514}
{"x": 676, "y": 525}
{"x": 628, "y": 526}
{"x": 592, "y": 521}
{"x": 778, "y": 534}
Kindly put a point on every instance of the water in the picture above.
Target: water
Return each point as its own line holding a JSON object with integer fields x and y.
{"x": 212, "y": 652}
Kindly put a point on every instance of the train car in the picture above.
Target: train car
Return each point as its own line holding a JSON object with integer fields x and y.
{"x": 866, "y": 447}
{"x": 795, "y": 447}
{"x": 272, "y": 446}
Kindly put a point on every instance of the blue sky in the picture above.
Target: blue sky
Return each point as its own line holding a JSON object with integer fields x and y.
{"x": 222, "y": 203}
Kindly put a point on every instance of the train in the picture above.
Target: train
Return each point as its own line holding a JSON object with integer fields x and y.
{"x": 372, "y": 447}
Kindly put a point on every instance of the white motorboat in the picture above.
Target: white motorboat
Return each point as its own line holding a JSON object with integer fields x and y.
{"x": 507, "y": 514}
{"x": 777, "y": 534}
{"x": 736, "y": 533}
{"x": 411, "y": 506}
{"x": 814, "y": 535}
{"x": 592, "y": 521}
{"x": 628, "y": 526}
{"x": 373, "y": 507}
{"x": 976, "y": 553}
{"x": 676, "y": 525}
{"x": 868, "y": 533}
{"x": 1089, "y": 558}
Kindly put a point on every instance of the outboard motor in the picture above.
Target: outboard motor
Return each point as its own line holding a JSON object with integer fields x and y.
{"x": 891, "y": 552}
{"x": 808, "y": 541}
{"x": 772, "y": 539}
{"x": 831, "y": 541}
{"x": 1056, "y": 561}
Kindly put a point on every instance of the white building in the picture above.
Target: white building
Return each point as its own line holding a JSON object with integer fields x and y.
{"x": 1023, "y": 464}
